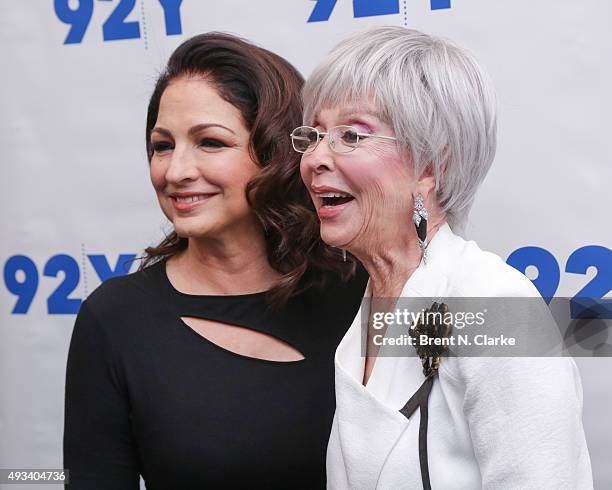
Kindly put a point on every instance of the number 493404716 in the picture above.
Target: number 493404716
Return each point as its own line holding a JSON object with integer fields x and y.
{"x": 78, "y": 13}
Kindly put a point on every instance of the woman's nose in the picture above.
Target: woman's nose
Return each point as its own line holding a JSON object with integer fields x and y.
{"x": 321, "y": 159}
{"x": 182, "y": 166}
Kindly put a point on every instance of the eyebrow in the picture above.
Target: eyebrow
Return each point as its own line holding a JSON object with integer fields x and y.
{"x": 356, "y": 111}
{"x": 193, "y": 130}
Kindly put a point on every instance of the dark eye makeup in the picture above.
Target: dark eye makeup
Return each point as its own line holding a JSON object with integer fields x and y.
{"x": 161, "y": 146}
{"x": 209, "y": 143}
{"x": 212, "y": 143}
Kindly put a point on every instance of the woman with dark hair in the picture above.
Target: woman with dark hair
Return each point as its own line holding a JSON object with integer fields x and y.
{"x": 212, "y": 365}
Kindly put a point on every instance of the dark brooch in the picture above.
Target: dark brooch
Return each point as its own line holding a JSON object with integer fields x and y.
{"x": 433, "y": 325}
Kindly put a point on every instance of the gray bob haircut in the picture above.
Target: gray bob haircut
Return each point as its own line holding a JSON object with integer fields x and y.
{"x": 433, "y": 93}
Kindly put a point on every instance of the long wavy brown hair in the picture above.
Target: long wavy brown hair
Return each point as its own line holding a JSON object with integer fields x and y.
{"x": 266, "y": 89}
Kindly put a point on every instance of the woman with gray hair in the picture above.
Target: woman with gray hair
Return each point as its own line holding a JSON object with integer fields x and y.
{"x": 400, "y": 132}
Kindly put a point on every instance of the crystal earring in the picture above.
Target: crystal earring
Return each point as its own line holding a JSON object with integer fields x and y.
{"x": 419, "y": 218}
{"x": 344, "y": 255}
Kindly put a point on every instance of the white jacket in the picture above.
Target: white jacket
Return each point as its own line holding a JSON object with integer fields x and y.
{"x": 494, "y": 423}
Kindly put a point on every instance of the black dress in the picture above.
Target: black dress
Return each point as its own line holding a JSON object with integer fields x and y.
{"x": 146, "y": 394}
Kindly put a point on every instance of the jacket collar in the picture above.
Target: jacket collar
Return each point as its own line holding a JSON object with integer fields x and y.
{"x": 428, "y": 280}
{"x": 368, "y": 427}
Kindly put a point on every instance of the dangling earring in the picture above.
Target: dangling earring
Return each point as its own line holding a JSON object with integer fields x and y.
{"x": 344, "y": 255}
{"x": 419, "y": 218}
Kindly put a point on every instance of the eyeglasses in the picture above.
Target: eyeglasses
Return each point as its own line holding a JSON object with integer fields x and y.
{"x": 342, "y": 139}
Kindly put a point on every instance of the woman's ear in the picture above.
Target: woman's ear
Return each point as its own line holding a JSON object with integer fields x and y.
{"x": 426, "y": 182}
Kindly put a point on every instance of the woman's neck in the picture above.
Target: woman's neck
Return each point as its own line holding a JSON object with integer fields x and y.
{"x": 227, "y": 264}
{"x": 390, "y": 265}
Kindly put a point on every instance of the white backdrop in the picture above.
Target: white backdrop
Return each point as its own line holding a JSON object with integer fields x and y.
{"x": 76, "y": 194}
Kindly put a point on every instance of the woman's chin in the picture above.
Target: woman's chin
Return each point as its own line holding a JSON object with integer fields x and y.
{"x": 191, "y": 230}
{"x": 334, "y": 236}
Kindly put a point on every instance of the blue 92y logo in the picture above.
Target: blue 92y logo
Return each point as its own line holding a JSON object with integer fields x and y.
{"x": 367, "y": 8}
{"x": 115, "y": 27}
{"x": 22, "y": 277}
{"x": 590, "y": 298}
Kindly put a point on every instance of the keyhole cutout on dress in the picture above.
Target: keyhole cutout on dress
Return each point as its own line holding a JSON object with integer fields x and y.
{"x": 244, "y": 341}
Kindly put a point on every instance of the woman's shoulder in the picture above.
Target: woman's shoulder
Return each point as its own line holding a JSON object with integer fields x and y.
{"x": 112, "y": 317}
{"x": 119, "y": 293}
{"x": 481, "y": 273}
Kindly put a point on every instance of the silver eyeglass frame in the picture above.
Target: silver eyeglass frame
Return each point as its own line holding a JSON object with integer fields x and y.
{"x": 331, "y": 142}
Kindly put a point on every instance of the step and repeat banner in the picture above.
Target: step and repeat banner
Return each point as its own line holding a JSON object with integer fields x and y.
{"x": 78, "y": 203}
